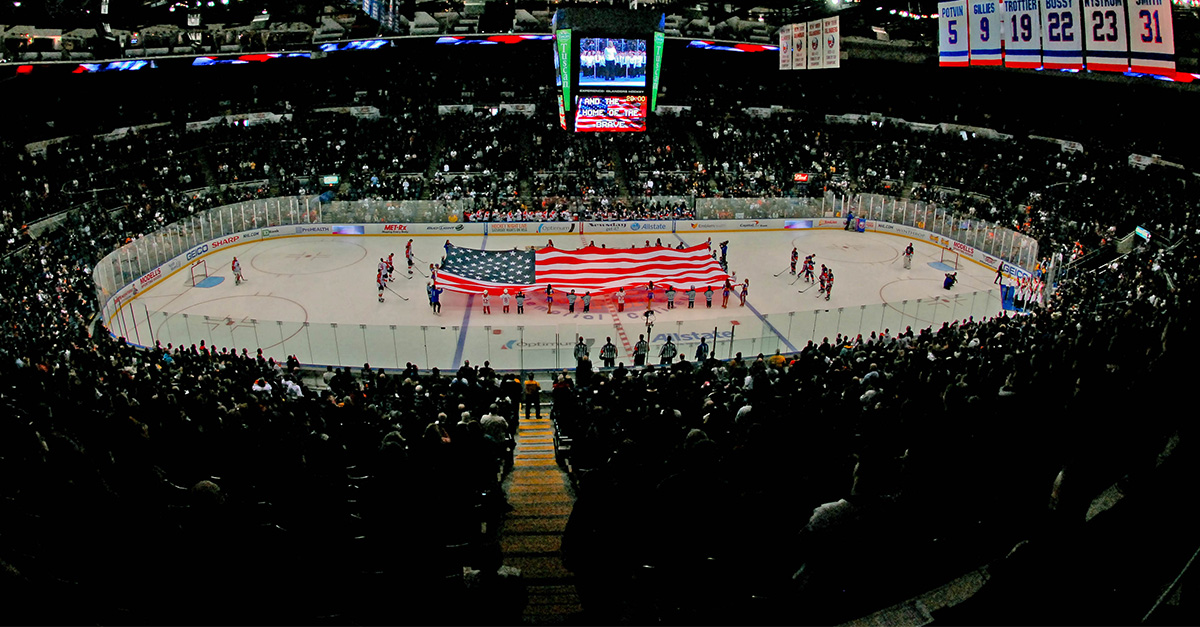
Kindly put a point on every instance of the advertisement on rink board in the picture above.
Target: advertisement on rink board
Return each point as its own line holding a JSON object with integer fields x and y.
{"x": 502, "y": 228}
{"x": 659, "y": 226}
{"x": 442, "y": 228}
{"x": 682, "y": 226}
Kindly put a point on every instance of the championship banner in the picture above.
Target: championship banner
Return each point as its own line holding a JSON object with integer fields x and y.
{"x": 953, "y": 43}
{"x": 1062, "y": 48}
{"x": 816, "y": 53}
{"x": 1022, "y": 34}
{"x": 799, "y": 53}
{"x": 832, "y": 41}
{"x": 1105, "y": 36}
{"x": 987, "y": 31}
{"x": 785, "y": 47}
{"x": 1151, "y": 37}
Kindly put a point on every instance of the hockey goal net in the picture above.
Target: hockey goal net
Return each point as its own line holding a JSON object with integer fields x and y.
{"x": 199, "y": 272}
{"x": 950, "y": 258}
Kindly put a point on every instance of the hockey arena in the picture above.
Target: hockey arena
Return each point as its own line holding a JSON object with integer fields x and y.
{"x": 215, "y": 407}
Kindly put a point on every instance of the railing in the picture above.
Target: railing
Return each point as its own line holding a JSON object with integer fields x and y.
{"x": 143, "y": 255}
{"x": 993, "y": 239}
{"x": 513, "y": 346}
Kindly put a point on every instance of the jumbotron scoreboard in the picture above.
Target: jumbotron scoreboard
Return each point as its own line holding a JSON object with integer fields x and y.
{"x": 606, "y": 68}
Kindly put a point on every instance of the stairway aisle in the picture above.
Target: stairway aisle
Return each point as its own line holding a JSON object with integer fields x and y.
{"x": 541, "y": 497}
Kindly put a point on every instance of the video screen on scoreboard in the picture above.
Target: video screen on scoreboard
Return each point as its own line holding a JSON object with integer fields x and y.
{"x": 610, "y": 113}
{"x": 607, "y": 62}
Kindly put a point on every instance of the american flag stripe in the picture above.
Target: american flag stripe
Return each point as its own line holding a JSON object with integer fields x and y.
{"x": 590, "y": 269}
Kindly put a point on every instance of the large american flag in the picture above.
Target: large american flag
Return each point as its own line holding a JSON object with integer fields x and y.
{"x": 589, "y": 269}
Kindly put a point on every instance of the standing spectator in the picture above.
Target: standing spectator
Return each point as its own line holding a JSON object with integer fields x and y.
{"x": 533, "y": 397}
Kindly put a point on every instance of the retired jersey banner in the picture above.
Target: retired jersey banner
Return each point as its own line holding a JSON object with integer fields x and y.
{"x": 785, "y": 47}
{"x": 1151, "y": 36}
{"x": 799, "y": 50}
{"x": 816, "y": 53}
{"x": 1022, "y": 34}
{"x": 953, "y": 42}
{"x": 1105, "y": 36}
{"x": 1062, "y": 44}
{"x": 832, "y": 40}
{"x": 987, "y": 31}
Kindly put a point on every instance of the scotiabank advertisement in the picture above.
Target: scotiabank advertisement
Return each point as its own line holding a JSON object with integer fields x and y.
{"x": 611, "y": 113}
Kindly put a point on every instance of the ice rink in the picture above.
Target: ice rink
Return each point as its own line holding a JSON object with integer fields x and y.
{"x": 315, "y": 297}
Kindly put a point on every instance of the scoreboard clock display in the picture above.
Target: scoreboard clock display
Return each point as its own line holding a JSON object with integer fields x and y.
{"x": 611, "y": 113}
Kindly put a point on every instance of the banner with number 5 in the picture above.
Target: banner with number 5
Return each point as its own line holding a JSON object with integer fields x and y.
{"x": 953, "y": 34}
{"x": 1062, "y": 45}
{"x": 1022, "y": 34}
{"x": 1151, "y": 36}
{"x": 987, "y": 31}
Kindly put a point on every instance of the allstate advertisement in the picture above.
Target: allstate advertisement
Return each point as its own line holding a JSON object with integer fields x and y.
{"x": 645, "y": 226}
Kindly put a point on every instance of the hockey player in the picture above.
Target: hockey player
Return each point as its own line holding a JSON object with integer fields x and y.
{"x": 381, "y": 281}
{"x": 237, "y": 272}
{"x": 391, "y": 267}
{"x": 608, "y": 353}
{"x": 829, "y": 285}
{"x": 504, "y": 300}
{"x": 487, "y": 302}
{"x": 571, "y": 302}
{"x": 621, "y": 299}
{"x": 670, "y": 297}
{"x": 824, "y": 277}
{"x": 908, "y": 255}
{"x": 808, "y": 268}
{"x": 408, "y": 254}
{"x": 795, "y": 257}
{"x": 640, "y": 350}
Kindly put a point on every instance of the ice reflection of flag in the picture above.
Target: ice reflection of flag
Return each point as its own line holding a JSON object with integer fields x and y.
{"x": 598, "y": 270}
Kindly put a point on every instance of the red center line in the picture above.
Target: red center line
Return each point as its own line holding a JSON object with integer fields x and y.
{"x": 612, "y": 311}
